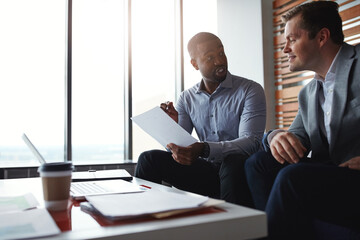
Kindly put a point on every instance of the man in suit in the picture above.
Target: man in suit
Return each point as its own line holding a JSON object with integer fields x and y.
{"x": 291, "y": 186}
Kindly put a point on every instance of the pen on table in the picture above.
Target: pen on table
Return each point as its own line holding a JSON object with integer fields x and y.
{"x": 145, "y": 186}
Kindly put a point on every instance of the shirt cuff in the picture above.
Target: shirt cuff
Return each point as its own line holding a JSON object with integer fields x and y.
{"x": 215, "y": 154}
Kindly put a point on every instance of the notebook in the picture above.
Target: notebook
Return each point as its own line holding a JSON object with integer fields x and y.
{"x": 79, "y": 190}
{"x": 93, "y": 175}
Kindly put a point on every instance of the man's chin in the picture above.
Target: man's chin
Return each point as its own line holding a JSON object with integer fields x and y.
{"x": 295, "y": 68}
{"x": 220, "y": 78}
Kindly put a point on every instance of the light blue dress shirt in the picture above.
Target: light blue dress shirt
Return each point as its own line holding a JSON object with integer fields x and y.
{"x": 231, "y": 119}
{"x": 326, "y": 97}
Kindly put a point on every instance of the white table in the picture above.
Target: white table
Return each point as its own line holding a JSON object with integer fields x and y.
{"x": 235, "y": 222}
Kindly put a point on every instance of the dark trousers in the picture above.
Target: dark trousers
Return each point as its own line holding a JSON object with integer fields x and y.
{"x": 226, "y": 180}
{"x": 295, "y": 195}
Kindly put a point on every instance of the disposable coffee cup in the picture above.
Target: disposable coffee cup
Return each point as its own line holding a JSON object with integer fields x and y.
{"x": 56, "y": 180}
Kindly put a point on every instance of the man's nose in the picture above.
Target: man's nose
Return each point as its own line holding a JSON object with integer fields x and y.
{"x": 218, "y": 61}
{"x": 286, "y": 48}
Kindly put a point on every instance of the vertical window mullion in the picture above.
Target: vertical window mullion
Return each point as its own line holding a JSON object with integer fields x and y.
{"x": 179, "y": 49}
{"x": 68, "y": 83}
{"x": 128, "y": 130}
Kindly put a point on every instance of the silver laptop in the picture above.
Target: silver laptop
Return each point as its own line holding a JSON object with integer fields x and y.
{"x": 79, "y": 190}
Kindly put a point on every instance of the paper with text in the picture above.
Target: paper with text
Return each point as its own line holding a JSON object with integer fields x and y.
{"x": 32, "y": 223}
{"x": 163, "y": 128}
{"x": 17, "y": 203}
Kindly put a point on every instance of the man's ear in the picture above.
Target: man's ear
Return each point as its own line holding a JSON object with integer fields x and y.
{"x": 193, "y": 62}
{"x": 323, "y": 36}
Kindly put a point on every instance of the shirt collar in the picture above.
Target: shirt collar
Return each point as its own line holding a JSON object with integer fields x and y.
{"x": 330, "y": 75}
{"x": 227, "y": 83}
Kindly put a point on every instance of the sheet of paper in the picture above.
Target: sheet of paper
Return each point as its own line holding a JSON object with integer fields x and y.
{"x": 32, "y": 223}
{"x": 148, "y": 202}
{"x": 17, "y": 203}
{"x": 163, "y": 128}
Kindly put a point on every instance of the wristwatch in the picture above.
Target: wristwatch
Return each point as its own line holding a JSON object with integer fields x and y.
{"x": 206, "y": 150}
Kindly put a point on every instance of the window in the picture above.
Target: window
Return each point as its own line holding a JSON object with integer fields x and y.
{"x": 33, "y": 69}
{"x": 98, "y": 81}
{"x": 32, "y": 47}
{"x": 153, "y": 65}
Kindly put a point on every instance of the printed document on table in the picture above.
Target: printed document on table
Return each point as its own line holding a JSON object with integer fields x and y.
{"x": 32, "y": 223}
{"x": 121, "y": 206}
{"x": 17, "y": 203}
{"x": 163, "y": 128}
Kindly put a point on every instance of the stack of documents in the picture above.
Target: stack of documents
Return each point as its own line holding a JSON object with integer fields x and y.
{"x": 17, "y": 214}
{"x": 152, "y": 202}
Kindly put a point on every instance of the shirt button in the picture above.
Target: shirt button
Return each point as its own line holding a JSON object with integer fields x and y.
{"x": 330, "y": 91}
{"x": 213, "y": 132}
{"x": 328, "y": 113}
{"x": 211, "y": 115}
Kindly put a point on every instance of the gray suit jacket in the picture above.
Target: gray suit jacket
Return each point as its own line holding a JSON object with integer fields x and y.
{"x": 345, "y": 117}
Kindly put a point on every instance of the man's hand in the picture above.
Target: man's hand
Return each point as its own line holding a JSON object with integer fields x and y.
{"x": 186, "y": 155}
{"x": 168, "y": 107}
{"x": 286, "y": 147}
{"x": 353, "y": 163}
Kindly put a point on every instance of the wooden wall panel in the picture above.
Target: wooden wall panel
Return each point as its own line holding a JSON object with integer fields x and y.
{"x": 288, "y": 84}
